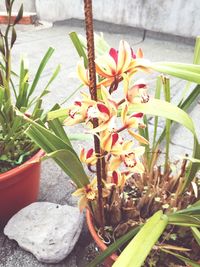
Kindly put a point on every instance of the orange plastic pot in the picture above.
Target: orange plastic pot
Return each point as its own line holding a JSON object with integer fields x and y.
{"x": 19, "y": 187}
{"x": 112, "y": 258}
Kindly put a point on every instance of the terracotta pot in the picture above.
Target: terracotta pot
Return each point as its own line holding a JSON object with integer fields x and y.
{"x": 112, "y": 258}
{"x": 19, "y": 187}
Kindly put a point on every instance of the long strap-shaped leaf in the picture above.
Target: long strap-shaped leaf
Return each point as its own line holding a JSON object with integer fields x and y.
{"x": 138, "y": 249}
{"x": 167, "y": 110}
{"x": 40, "y": 70}
{"x": 182, "y": 258}
{"x": 62, "y": 153}
{"x": 188, "y": 72}
{"x": 114, "y": 246}
{"x": 196, "y": 234}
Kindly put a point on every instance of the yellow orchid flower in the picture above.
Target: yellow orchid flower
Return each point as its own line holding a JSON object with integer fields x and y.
{"x": 89, "y": 193}
{"x": 130, "y": 158}
{"x": 77, "y": 113}
{"x": 117, "y": 178}
{"x": 106, "y": 114}
{"x": 89, "y": 158}
{"x": 83, "y": 75}
{"x": 86, "y": 193}
{"x": 132, "y": 121}
{"x": 116, "y": 63}
{"x": 108, "y": 140}
{"x": 137, "y": 93}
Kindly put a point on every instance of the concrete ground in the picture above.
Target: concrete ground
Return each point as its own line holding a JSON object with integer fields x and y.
{"x": 55, "y": 186}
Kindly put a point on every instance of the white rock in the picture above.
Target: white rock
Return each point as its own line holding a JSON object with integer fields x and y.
{"x": 47, "y": 230}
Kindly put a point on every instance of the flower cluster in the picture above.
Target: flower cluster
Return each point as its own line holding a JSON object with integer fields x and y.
{"x": 122, "y": 157}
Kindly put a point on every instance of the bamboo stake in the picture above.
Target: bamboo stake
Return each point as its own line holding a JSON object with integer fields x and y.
{"x": 93, "y": 92}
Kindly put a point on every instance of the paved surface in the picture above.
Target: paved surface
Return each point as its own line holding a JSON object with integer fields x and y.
{"x": 55, "y": 186}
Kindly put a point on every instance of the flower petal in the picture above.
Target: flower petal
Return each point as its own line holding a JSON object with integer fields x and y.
{"x": 138, "y": 137}
{"x": 114, "y": 163}
{"x": 79, "y": 192}
{"x": 114, "y": 54}
{"x": 82, "y": 203}
{"x": 124, "y": 57}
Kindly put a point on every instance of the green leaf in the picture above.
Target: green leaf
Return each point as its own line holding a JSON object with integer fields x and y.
{"x": 19, "y": 15}
{"x": 138, "y": 249}
{"x": 157, "y": 96}
{"x": 197, "y": 51}
{"x": 112, "y": 248}
{"x": 57, "y": 114}
{"x": 190, "y": 99}
{"x": 193, "y": 168}
{"x": 72, "y": 164}
{"x": 164, "y": 109}
{"x": 196, "y": 234}
{"x": 187, "y": 220}
{"x": 13, "y": 36}
{"x": 79, "y": 47}
{"x": 166, "y": 86}
{"x": 40, "y": 70}
{"x": 59, "y": 150}
{"x": 58, "y": 129}
{"x": 193, "y": 209}
{"x": 2, "y": 47}
{"x": 182, "y": 258}
{"x": 189, "y": 72}
{"x": 101, "y": 46}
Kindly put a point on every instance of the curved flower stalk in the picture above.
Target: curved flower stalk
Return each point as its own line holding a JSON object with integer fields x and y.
{"x": 121, "y": 158}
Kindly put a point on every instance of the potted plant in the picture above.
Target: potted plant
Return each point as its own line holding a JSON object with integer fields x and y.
{"x": 19, "y": 156}
{"x": 142, "y": 208}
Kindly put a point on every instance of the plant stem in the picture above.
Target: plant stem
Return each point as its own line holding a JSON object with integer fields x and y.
{"x": 93, "y": 92}
{"x": 168, "y": 122}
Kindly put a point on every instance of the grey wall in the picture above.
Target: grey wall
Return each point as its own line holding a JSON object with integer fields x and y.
{"x": 29, "y": 5}
{"x": 178, "y": 17}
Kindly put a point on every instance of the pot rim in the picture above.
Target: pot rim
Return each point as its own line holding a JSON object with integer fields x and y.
{"x": 97, "y": 239}
{"x": 24, "y": 166}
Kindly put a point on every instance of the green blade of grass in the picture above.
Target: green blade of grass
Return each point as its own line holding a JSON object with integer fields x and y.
{"x": 42, "y": 65}
{"x": 196, "y": 234}
{"x": 166, "y": 86}
{"x": 157, "y": 96}
{"x": 79, "y": 47}
{"x": 133, "y": 255}
{"x": 182, "y": 258}
{"x": 167, "y": 110}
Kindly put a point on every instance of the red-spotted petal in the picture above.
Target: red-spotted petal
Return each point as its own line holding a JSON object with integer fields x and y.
{"x": 114, "y": 54}
{"x": 78, "y": 103}
{"x": 115, "y": 138}
{"x": 115, "y": 177}
{"x": 89, "y": 153}
{"x": 102, "y": 108}
{"x": 133, "y": 54}
{"x": 138, "y": 115}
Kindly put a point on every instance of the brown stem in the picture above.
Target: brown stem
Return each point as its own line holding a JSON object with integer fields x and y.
{"x": 121, "y": 102}
{"x": 93, "y": 92}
